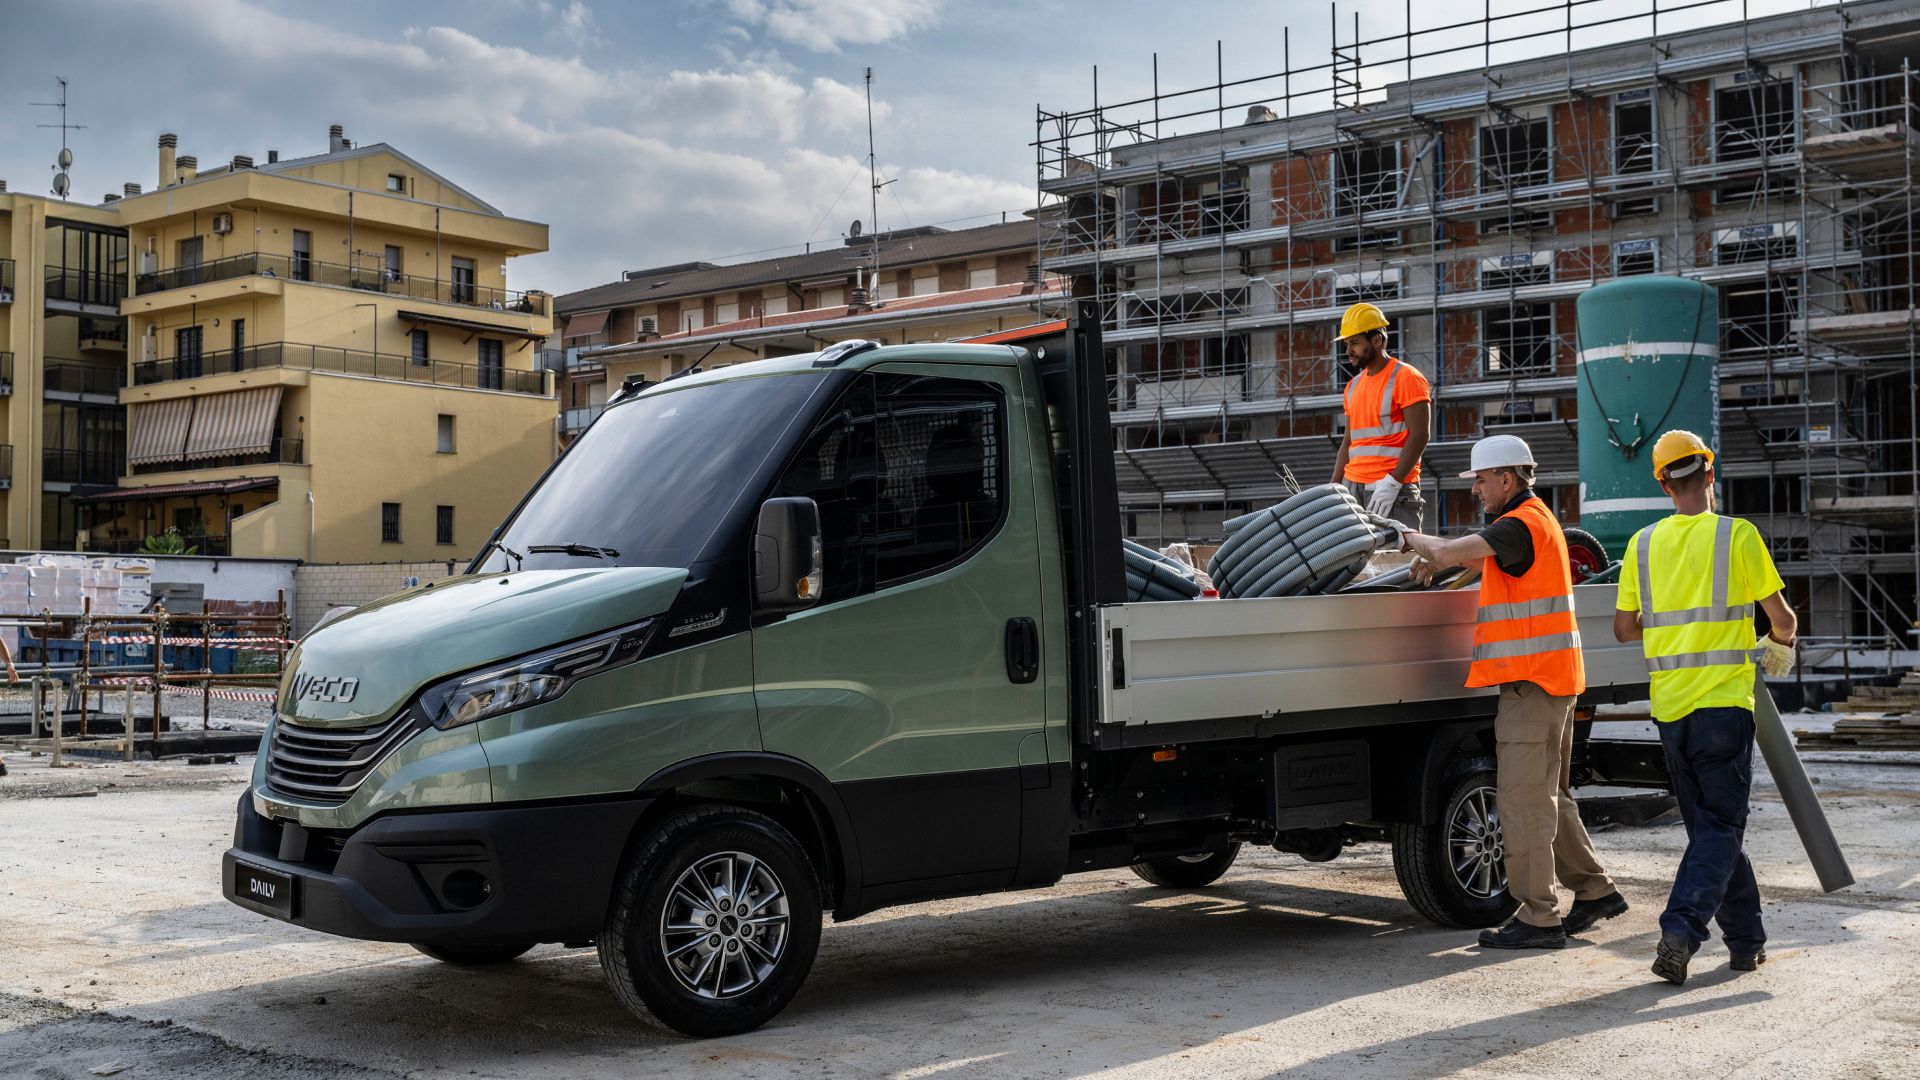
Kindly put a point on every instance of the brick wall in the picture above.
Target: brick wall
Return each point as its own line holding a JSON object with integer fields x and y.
{"x": 317, "y": 588}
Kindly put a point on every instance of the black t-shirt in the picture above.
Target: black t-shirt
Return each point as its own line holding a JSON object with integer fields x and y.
{"x": 1511, "y": 541}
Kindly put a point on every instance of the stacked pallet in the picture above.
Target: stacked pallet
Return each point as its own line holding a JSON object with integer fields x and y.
{"x": 1874, "y": 718}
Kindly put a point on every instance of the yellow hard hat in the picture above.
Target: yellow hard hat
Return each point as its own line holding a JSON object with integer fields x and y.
{"x": 1359, "y": 319}
{"x": 1675, "y": 445}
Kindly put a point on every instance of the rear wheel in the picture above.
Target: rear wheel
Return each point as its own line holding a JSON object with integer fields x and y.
{"x": 1187, "y": 871}
{"x": 1454, "y": 871}
{"x": 1586, "y": 553}
{"x": 714, "y": 922}
{"x": 473, "y": 955}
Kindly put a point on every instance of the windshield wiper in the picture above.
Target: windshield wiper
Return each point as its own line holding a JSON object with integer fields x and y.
{"x": 573, "y": 549}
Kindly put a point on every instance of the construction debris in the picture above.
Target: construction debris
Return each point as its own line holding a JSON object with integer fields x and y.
{"x": 1892, "y": 720}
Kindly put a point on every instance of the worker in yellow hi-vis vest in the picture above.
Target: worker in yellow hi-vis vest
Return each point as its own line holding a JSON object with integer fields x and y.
{"x": 1688, "y": 584}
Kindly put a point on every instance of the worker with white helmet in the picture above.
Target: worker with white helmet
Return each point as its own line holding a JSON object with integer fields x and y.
{"x": 1688, "y": 584}
{"x": 1526, "y": 642}
{"x": 1389, "y": 407}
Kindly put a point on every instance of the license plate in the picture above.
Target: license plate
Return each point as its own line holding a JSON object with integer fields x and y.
{"x": 267, "y": 888}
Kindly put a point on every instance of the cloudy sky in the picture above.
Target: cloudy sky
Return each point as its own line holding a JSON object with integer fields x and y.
{"x": 644, "y": 133}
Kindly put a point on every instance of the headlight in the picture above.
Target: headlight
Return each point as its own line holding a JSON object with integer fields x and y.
{"x": 541, "y": 677}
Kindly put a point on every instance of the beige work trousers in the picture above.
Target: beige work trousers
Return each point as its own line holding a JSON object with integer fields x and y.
{"x": 1539, "y": 821}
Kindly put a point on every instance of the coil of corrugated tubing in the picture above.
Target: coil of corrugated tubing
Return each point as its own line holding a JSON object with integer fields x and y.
{"x": 1315, "y": 542}
{"x": 1153, "y": 576}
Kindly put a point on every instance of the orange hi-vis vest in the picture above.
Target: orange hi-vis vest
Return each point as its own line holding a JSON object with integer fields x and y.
{"x": 1525, "y": 631}
{"x": 1371, "y": 428}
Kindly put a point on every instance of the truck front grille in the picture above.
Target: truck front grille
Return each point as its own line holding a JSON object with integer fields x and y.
{"x": 326, "y": 764}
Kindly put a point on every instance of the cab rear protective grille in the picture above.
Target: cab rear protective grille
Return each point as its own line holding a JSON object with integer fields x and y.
{"x": 326, "y": 764}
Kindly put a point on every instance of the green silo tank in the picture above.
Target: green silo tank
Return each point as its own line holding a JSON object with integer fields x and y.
{"x": 1648, "y": 363}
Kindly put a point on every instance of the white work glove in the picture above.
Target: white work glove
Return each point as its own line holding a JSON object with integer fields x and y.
{"x": 1775, "y": 659}
{"x": 1382, "y": 495}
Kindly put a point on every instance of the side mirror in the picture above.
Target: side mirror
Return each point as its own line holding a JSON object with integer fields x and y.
{"x": 787, "y": 565}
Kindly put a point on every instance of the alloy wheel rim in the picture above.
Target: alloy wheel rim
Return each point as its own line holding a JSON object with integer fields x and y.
{"x": 1476, "y": 848}
{"x": 724, "y": 927}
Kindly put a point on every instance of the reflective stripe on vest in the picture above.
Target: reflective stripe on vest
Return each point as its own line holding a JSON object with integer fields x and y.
{"x": 1527, "y": 646}
{"x": 1388, "y": 426}
{"x": 1716, "y": 611}
{"x": 1520, "y": 609}
{"x": 1526, "y": 630}
{"x": 1373, "y": 451}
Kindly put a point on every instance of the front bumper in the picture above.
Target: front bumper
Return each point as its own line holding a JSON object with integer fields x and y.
{"x": 493, "y": 876}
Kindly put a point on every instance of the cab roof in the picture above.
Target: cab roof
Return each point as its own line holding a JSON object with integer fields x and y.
{"x": 930, "y": 353}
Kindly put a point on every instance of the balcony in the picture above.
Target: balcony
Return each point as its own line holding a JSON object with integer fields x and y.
{"x": 284, "y": 452}
{"x": 6, "y": 467}
{"x": 376, "y": 279}
{"x": 343, "y": 362}
{"x": 103, "y": 336}
{"x": 6, "y": 374}
{"x": 574, "y": 421}
{"x": 200, "y": 545}
{"x": 6, "y": 281}
{"x": 60, "y": 466}
{"x": 82, "y": 379}
{"x": 84, "y": 287}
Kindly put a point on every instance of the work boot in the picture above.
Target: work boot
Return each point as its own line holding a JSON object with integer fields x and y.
{"x": 1671, "y": 958}
{"x": 1748, "y": 961}
{"x": 1587, "y": 912}
{"x": 1519, "y": 935}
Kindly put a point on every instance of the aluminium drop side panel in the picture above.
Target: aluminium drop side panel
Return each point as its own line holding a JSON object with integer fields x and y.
{"x": 1384, "y": 657}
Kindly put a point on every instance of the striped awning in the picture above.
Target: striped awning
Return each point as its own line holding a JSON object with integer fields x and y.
{"x": 159, "y": 431}
{"x": 237, "y": 422}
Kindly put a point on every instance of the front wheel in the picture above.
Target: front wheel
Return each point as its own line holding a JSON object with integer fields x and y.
{"x": 1187, "y": 871}
{"x": 714, "y": 922}
{"x": 1454, "y": 871}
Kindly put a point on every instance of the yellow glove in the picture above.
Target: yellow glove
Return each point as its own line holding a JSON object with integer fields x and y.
{"x": 1775, "y": 659}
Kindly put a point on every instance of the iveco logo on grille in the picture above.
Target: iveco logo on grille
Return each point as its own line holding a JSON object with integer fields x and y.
{"x": 324, "y": 688}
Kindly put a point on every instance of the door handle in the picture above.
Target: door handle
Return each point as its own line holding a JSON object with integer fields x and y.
{"x": 1023, "y": 650}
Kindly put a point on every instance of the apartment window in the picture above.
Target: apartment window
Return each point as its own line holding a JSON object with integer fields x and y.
{"x": 1753, "y": 118}
{"x": 462, "y": 290}
{"x": 421, "y": 342}
{"x": 187, "y": 352}
{"x": 492, "y": 364}
{"x": 1635, "y": 147}
{"x": 445, "y": 434}
{"x": 396, "y": 183}
{"x": 1366, "y": 178}
{"x": 1632, "y": 257}
{"x": 1757, "y": 316}
{"x": 1518, "y": 339}
{"x": 393, "y": 257}
{"x": 238, "y": 357}
{"x": 1515, "y": 156}
{"x": 443, "y": 524}
{"x": 302, "y": 265}
{"x": 1513, "y": 271}
{"x": 187, "y": 253}
{"x": 389, "y": 523}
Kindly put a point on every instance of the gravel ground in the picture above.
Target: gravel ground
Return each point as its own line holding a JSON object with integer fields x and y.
{"x": 116, "y": 947}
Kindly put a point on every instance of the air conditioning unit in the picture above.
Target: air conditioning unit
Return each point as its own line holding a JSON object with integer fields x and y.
{"x": 149, "y": 263}
{"x": 149, "y": 347}
{"x": 222, "y": 224}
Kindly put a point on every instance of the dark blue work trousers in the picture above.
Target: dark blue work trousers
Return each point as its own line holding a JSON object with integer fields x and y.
{"x": 1710, "y": 758}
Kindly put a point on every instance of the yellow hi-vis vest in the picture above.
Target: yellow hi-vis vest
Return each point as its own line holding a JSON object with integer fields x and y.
{"x": 1695, "y": 642}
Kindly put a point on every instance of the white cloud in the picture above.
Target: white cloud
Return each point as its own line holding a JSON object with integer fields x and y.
{"x": 825, "y": 25}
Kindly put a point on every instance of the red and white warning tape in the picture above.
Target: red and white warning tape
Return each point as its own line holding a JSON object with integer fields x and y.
{"x": 218, "y": 692}
{"x": 252, "y": 644}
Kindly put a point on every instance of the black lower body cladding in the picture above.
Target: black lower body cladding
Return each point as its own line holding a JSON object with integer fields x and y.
{"x": 472, "y": 876}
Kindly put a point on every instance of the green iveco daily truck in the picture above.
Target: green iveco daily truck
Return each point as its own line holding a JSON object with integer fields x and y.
{"x": 841, "y": 631}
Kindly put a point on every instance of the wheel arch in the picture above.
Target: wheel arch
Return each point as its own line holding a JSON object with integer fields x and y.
{"x": 1449, "y": 742}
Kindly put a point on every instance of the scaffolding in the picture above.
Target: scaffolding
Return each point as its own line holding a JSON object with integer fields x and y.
{"x": 1473, "y": 177}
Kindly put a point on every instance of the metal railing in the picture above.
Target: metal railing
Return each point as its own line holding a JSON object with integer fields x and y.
{"x": 6, "y": 373}
{"x": 282, "y": 452}
{"x": 369, "y": 278}
{"x": 123, "y": 545}
{"x": 6, "y": 281}
{"x": 85, "y": 287}
{"x": 63, "y": 466}
{"x": 577, "y": 419}
{"x": 343, "y": 362}
{"x": 6, "y": 464}
{"x": 75, "y": 377}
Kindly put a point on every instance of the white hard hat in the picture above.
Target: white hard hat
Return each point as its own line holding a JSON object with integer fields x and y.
{"x": 1498, "y": 451}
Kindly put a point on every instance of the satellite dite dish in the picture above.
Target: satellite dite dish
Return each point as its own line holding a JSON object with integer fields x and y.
{"x": 66, "y": 158}
{"x": 60, "y": 184}
{"x": 854, "y": 229}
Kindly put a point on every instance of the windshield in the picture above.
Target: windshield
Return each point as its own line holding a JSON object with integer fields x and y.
{"x": 650, "y": 482}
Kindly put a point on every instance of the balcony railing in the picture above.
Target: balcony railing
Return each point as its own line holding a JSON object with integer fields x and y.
{"x": 6, "y": 465}
{"x": 283, "y": 452}
{"x": 80, "y": 466}
{"x": 343, "y": 362}
{"x": 85, "y": 287}
{"x": 370, "y": 278}
{"x": 6, "y": 281}
{"x": 575, "y": 420}
{"x": 6, "y": 373}
{"x": 122, "y": 545}
{"x": 74, "y": 377}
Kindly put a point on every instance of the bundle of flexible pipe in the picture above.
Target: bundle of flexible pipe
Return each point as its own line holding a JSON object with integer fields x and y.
{"x": 1153, "y": 576}
{"x": 1315, "y": 542}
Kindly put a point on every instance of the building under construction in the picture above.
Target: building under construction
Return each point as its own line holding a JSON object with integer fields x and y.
{"x": 1474, "y": 194}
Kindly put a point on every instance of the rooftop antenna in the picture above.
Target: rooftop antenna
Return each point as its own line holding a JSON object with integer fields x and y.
{"x": 874, "y": 184}
{"x": 62, "y": 183}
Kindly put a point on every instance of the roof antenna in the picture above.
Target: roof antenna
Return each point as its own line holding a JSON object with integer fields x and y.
{"x": 874, "y": 184}
{"x": 62, "y": 183}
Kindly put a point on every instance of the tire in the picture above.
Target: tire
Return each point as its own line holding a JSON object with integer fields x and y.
{"x": 688, "y": 871}
{"x": 474, "y": 955}
{"x": 1587, "y": 554}
{"x": 1424, "y": 856}
{"x": 1187, "y": 871}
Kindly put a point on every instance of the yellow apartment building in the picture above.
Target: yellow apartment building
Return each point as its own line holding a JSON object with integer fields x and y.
{"x": 63, "y": 356}
{"x": 323, "y": 361}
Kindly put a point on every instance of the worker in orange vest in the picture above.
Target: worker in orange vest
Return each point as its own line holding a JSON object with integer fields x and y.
{"x": 1526, "y": 642}
{"x": 1389, "y": 407}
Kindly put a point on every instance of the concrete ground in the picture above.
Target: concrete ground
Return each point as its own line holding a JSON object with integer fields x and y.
{"x": 117, "y": 949}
